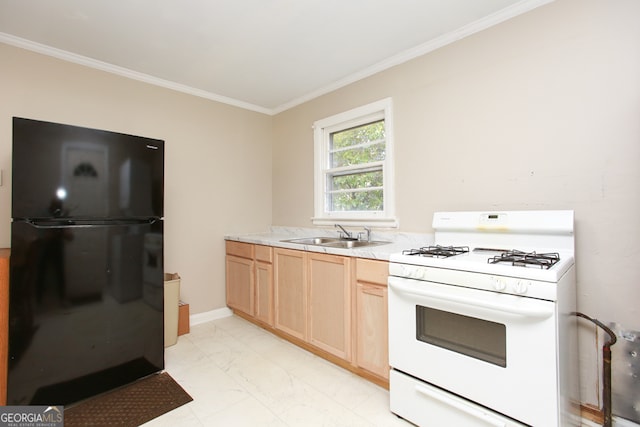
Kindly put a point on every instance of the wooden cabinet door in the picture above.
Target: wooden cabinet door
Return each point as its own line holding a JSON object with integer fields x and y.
{"x": 329, "y": 304}
{"x": 371, "y": 329}
{"x": 290, "y": 295}
{"x": 240, "y": 284}
{"x": 372, "y": 347}
{"x": 264, "y": 292}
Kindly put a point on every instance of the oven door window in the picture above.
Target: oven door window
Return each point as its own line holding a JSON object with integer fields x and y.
{"x": 477, "y": 338}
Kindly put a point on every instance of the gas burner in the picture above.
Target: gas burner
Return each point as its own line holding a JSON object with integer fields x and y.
{"x": 526, "y": 259}
{"x": 437, "y": 251}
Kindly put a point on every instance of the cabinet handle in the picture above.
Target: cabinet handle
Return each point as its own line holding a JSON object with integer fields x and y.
{"x": 461, "y": 406}
{"x": 371, "y": 290}
{"x": 532, "y": 309}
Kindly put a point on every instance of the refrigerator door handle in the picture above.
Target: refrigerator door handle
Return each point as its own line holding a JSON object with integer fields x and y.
{"x": 47, "y": 224}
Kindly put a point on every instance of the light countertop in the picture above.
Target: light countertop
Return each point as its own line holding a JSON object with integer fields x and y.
{"x": 274, "y": 237}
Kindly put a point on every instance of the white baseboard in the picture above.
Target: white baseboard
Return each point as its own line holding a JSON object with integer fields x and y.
{"x": 196, "y": 319}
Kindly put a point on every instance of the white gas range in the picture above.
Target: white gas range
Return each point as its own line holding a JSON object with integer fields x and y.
{"x": 481, "y": 330}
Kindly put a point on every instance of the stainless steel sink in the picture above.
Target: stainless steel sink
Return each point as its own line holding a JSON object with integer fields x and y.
{"x": 350, "y": 244}
{"x": 313, "y": 240}
{"x": 335, "y": 242}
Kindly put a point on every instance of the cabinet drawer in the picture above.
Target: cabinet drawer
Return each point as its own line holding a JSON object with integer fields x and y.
{"x": 372, "y": 271}
{"x": 239, "y": 249}
{"x": 264, "y": 253}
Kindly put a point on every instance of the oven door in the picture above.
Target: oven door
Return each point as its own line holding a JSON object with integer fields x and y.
{"x": 494, "y": 349}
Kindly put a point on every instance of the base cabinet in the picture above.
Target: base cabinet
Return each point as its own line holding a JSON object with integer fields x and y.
{"x": 312, "y": 299}
{"x": 240, "y": 277}
{"x": 240, "y": 286}
{"x": 371, "y": 329}
{"x": 249, "y": 280}
{"x": 335, "y": 306}
{"x": 290, "y": 289}
{"x": 264, "y": 284}
{"x": 330, "y": 304}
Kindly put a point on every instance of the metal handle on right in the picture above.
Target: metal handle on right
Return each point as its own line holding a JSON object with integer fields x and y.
{"x": 538, "y": 313}
{"x": 461, "y": 406}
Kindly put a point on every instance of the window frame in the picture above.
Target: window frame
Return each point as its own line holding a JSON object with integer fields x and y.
{"x": 322, "y": 130}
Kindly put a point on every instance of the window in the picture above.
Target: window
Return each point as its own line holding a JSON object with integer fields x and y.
{"x": 353, "y": 167}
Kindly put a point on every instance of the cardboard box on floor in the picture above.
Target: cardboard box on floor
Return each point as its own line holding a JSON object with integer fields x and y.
{"x": 183, "y": 318}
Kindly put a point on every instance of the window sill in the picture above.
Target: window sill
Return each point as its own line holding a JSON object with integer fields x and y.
{"x": 369, "y": 222}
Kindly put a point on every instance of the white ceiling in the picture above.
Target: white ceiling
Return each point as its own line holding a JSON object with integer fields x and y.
{"x": 263, "y": 55}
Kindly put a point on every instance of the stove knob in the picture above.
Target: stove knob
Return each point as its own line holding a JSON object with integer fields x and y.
{"x": 521, "y": 287}
{"x": 498, "y": 283}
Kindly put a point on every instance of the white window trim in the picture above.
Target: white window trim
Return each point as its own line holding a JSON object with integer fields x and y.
{"x": 321, "y": 133}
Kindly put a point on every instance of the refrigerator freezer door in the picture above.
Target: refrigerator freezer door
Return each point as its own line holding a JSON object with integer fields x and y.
{"x": 62, "y": 171}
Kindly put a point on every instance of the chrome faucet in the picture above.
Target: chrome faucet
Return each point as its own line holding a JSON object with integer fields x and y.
{"x": 368, "y": 230}
{"x": 345, "y": 233}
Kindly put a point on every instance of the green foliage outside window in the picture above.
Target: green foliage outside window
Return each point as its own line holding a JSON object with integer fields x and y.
{"x": 357, "y": 146}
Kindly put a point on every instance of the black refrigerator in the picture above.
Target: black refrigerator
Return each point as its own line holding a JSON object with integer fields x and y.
{"x": 86, "y": 269}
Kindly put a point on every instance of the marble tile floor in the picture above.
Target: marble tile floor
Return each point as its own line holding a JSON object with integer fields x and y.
{"x": 240, "y": 375}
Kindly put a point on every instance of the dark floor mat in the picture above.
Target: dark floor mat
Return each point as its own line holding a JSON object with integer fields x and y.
{"x": 131, "y": 405}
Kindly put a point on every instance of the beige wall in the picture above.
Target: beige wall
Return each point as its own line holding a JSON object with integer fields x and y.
{"x": 217, "y": 157}
{"x": 540, "y": 112}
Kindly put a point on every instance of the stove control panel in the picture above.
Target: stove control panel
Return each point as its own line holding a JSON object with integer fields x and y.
{"x": 521, "y": 287}
{"x": 499, "y": 283}
{"x": 510, "y": 284}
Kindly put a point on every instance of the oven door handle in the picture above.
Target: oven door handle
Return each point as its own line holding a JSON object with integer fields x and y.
{"x": 461, "y": 406}
{"x": 529, "y": 312}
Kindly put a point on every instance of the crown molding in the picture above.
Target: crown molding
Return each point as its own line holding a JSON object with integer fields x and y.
{"x": 125, "y": 72}
{"x": 420, "y": 50}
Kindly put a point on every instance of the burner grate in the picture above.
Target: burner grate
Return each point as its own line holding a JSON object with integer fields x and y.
{"x": 526, "y": 259}
{"x": 437, "y": 251}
